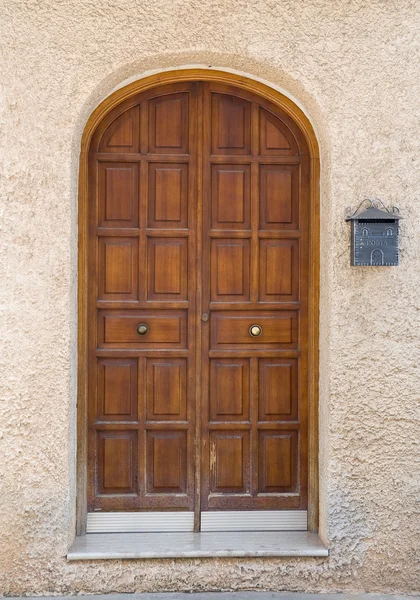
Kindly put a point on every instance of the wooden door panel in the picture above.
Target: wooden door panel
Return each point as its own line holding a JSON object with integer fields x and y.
{"x": 229, "y": 389}
{"x": 118, "y": 194}
{"x": 168, "y": 124}
{"x": 118, "y": 268}
{"x": 117, "y": 462}
{"x": 277, "y": 389}
{"x": 275, "y": 137}
{"x": 231, "y": 133}
{"x": 279, "y": 197}
{"x": 167, "y": 268}
{"x": 118, "y": 329}
{"x": 122, "y": 135}
{"x": 166, "y": 389}
{"x": 168, "y": 195}
{"x": 229, "y": 462}
{"x": 117, "y": 389}
{"x": 230, "y": 270}
{"x": 279, "y": 270}
{"x": 166, "y": 464}
{"x": 277, "y": 462}
{"x": 230, "y": 329}
{"x": 231, "y": 196}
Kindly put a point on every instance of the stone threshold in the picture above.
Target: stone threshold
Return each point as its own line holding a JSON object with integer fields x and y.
{"x": 107, "y": 546}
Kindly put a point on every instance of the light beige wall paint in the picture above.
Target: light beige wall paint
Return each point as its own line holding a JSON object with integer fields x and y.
{"x": 353, "y": 66}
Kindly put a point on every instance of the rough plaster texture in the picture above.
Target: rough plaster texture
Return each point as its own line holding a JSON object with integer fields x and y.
{"x": 354, "y": 67}
{"x": 244, "y": 596}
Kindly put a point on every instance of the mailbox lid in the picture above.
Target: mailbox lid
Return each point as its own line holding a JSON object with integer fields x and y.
{"x": 374, "y": 214}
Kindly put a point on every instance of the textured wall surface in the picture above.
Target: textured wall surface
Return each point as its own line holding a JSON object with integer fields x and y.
{"x": 354, "y": 67}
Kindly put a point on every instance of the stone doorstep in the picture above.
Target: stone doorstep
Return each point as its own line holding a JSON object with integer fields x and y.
{"x": 107, "y": 546}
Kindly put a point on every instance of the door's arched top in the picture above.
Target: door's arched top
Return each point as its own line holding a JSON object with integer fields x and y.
{"x": 120, "y": 130}
{"x": 114, "y": 123}
{"x": 122, "y": 135}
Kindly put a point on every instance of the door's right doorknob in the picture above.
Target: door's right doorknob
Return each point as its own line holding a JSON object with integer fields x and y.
{"x": 255, "y": 330}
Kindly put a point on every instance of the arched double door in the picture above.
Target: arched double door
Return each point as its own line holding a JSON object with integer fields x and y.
{"x": 198, "y": 302}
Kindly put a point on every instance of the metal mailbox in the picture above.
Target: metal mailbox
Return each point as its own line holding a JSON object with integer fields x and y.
{"x": 374, "y": 235}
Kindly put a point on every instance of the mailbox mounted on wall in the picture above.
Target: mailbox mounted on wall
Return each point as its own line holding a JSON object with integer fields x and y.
{"x": 374, "y": 235}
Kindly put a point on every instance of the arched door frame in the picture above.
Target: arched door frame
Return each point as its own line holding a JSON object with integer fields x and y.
{"x": 305, "y": 126}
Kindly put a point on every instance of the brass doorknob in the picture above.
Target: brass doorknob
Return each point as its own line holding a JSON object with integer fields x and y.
{"x": 255, "y": 330}
{"x": 142, "y": 329}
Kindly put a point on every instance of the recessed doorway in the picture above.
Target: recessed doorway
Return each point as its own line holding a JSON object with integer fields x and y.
{"x": 200, "y": 295}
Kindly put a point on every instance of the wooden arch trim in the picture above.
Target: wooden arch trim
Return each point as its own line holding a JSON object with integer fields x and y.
{"x": 303, "y": 123}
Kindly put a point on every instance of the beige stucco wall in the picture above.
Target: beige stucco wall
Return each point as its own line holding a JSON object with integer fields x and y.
{"x": 354, "y": 68}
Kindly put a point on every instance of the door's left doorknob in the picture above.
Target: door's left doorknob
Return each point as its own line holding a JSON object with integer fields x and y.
{"x": 142, "y": 329}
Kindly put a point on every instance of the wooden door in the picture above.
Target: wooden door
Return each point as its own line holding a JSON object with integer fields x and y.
{"x": 255, "y": 268}
{"x": 198, "y": 232}
{"x": 143, "y": 244}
